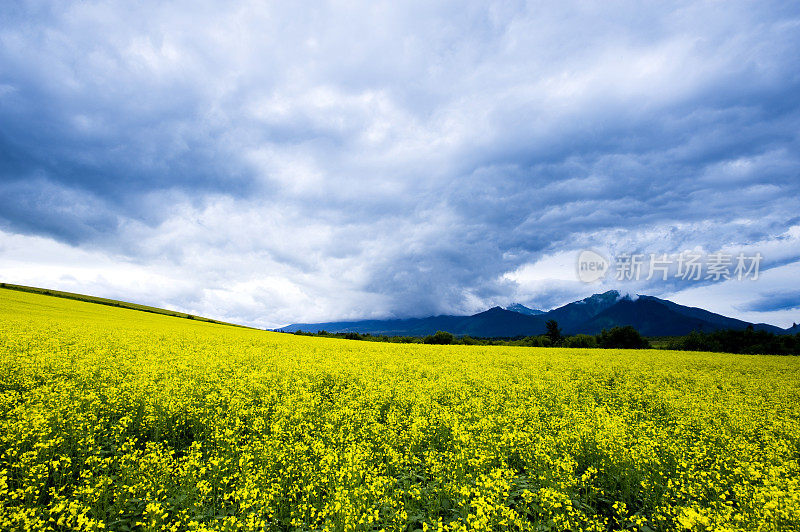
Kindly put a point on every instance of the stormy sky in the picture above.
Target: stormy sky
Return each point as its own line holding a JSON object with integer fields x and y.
{"x": 276, "y": 162}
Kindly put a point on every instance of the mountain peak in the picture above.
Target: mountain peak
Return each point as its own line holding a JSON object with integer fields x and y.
{"x": 610, "y": 295}
{"x": 522, "y": 309}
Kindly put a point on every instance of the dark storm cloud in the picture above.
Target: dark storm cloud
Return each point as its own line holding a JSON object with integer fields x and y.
{"x": 388, "y": 160}
{"x": 36, "y": 205}
{"x": 788, "y": 300}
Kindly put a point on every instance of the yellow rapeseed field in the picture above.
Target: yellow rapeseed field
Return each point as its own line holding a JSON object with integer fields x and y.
{"x": 122, "y": 420}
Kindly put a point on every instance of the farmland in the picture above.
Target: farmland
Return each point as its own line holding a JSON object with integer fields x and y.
{"x": 112, "y": 418}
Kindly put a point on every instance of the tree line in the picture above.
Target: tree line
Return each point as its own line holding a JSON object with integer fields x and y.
{"x": 618, "y": 337}
{"x": 747, "y": 341}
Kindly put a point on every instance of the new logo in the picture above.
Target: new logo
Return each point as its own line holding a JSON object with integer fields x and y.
{"x": 592, "y": 266}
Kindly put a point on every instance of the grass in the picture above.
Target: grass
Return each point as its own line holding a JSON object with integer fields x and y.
{"x": 109, "y": 302}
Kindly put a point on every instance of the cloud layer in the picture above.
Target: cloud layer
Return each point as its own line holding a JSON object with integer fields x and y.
{"x": 302, "y": 162}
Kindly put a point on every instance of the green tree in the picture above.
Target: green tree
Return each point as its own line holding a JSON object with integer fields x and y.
{"x": 622, "y": 338}
{"x": 580, "y": 340}
{"x": 441, "y": 337}
{"x": 468, "y": 340}
{"x": 553, "y": 332}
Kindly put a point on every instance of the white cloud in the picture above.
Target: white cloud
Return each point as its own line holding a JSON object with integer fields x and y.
{"x": 268, "y": 163}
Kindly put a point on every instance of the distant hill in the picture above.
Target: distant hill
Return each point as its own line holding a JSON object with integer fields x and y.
{"x": 650, "y": 315}
{"x": 110, "y": 303}
{"x": 522, "y": 309}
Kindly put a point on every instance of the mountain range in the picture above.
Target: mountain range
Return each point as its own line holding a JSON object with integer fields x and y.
{"x": 651, "y": 316}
